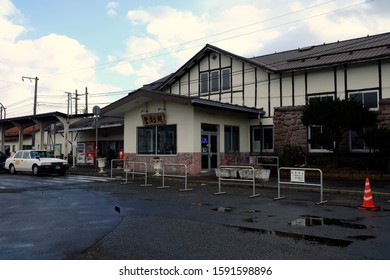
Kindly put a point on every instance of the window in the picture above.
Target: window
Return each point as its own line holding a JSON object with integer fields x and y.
{"x": 369, "y": 99}
{"x": 262, "y": 139}
{"x": 157, "y": 140}
{"x": 18, "y": 154}
{"x": 226, "y": 79}
{"x": 204, "y": 82}
{"x": 215, "y": 81}
{"x": 232, "y": 139}
{"x": 26, "y": 155}
{"x": 314, "y": 132}
{"x": 316, "y": 98}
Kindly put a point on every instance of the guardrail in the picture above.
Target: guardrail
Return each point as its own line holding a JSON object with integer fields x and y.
{"x": 251, "y": 179}
{"x": 297, "y": 177}
{"x": 129, "y": 168}
{"x": 164, "y": 165}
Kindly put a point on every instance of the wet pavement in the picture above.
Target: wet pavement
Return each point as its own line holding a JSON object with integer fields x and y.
{"x": 85, "y": 217}
{"x": 159, "y": 223}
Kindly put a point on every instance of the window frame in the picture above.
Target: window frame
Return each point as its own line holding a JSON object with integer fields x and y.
{"x": 309, "y": 130}
{"x": 232, "y": 138}
{"x": 262, "y": 134}
{"x": 215, "y": 81}
{"x": 363, "y": 93}
{"x": 154, "y": 141}
{"x": 365, "y": 149}
{"x": 204, "y": 82}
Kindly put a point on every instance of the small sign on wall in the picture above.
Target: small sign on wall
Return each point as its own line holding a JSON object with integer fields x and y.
{"x": 297, "y": 176}
{"x": 153, "y": 119}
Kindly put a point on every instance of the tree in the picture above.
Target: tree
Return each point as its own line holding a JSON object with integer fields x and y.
{"x": 336, "y": 117}
{"x": 377, "y": 140}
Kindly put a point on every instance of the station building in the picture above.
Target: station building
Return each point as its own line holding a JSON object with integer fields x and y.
{"x": 219, "y": 107}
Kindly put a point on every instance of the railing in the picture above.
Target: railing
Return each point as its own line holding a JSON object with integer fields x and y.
{"x": 276, "y": 159}
{"x": 112, "y": 166}
{"x": 129, "y": 168}
{"x": 164, "y": 165}
{"x": 232, "y": 177}
{"x": 298, "y": 177}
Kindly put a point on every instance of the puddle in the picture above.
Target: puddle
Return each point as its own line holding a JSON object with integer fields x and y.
{"x": 251, "y": 220}
{"x": 222, "y": 209}
{"x": 307, "y": 220}
{"x": 361, "y": 237}
{"x": 298, "y": 236}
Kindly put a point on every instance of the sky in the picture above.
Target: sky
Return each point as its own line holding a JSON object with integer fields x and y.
{"x": 110, "y": 48}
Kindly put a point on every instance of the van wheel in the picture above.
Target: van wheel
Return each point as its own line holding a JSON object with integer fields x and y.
{"x": 12, "y": 169}
{"x": 35, "y": 170}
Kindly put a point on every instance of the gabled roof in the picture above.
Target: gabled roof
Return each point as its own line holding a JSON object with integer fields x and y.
{"x": 195, "y": 59}
{"x": 325, "y": 55}
{"x": 138, "y": 97}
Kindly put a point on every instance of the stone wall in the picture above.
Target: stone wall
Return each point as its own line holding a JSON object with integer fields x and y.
{"x": 289, "y": 129}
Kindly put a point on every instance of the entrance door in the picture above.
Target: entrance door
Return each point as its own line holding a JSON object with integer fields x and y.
{"x": 209, "y": 151}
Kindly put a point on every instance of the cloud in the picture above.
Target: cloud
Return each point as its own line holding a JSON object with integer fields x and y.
{"x": 111, "y": 8}
{"x": 60, "y": 62}
{"x": 171, "y": 36}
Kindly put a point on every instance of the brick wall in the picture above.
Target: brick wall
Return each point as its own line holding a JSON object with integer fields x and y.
{"x": 192, "y": 160}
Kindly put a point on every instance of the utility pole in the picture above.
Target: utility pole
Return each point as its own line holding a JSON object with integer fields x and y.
{"x": 86, "y": 100}
{"x": 35, "y": 92}
{"x": 75, "y": 101}
{"x": 69, "y": 112}
{"x": 2, "y": 109}
{"x": 35, "y": 106}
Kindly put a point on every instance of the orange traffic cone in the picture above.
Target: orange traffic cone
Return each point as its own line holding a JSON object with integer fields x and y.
{"x": 368, "y": 201}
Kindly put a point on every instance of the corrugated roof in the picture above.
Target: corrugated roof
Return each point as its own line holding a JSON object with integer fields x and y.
{"x": 341, "y": 52}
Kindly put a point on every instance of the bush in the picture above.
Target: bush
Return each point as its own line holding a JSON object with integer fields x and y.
{"x": 293, "y": 156}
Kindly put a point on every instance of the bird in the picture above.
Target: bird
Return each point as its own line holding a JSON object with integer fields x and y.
{"x": 117, "y": 209}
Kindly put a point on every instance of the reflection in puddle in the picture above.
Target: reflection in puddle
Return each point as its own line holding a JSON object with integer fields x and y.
{"x": 318, "y": 221}
{"x": 298, "y": 236}
{"x": 222, "y": 209}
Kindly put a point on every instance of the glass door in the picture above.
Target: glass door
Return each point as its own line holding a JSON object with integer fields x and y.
{"x": 209, "y": 150}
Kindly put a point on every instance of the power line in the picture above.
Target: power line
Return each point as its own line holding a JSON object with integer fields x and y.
{"x": 169, "y": 50}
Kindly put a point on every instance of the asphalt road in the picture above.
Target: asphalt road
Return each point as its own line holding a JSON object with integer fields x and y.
{"x": 83, "y": 217}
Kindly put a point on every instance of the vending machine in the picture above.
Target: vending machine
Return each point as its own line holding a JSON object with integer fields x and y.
{"x": 81, "y": 159}
{"x": 90, "y": 151}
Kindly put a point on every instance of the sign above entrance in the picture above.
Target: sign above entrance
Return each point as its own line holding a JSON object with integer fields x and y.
{"x": 153, "y": 119}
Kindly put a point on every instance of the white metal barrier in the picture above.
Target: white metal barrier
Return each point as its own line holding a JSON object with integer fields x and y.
{"x": 297, "y": 177}
{"x": 276, "y": 164}
{"x": 174, "y": 175}
{"x": 129, "y": 168}
{"x": 232, "y": 177}
{"x": 112, "y": 166}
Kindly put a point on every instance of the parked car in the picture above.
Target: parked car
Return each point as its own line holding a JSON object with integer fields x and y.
{"x": 36, "y": 161}
{"x": 3, "y": 157}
